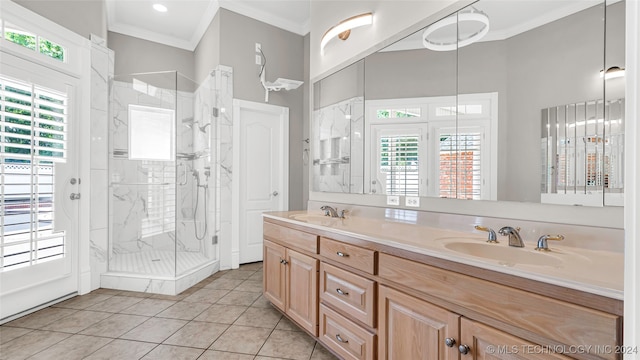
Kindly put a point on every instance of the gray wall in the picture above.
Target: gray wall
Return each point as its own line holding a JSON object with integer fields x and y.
{"x": 551, "y": 65}
{"x": 207, "y": 53}
{"x": 285, "y": 58}
{"x": 341, "y": 85}
{"x": 84, "y": 17}
{"x": 134, "y": 55}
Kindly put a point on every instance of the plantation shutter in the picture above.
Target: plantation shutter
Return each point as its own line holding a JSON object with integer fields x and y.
{"x": 399, "y": 161}
{"x": 33, "y": 136}
{"x": 460, "y": 164}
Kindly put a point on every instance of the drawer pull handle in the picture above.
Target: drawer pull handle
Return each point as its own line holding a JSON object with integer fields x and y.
{"x": 339, "y": 291}
{"x": 464, "y": 349}
{"x": 341, "y": 254}
{"x": 450, "y": 342}
{"x": 341, "y": 339}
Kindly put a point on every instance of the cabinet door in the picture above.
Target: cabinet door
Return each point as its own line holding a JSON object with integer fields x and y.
{"x": 274, "y": 274}
{"x": 487, "y": 343}
{"x": 302, "y": 290}
{"x": 410, "y": 328}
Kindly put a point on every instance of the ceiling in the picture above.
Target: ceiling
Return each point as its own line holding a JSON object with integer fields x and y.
{"x": 186, "y": 21}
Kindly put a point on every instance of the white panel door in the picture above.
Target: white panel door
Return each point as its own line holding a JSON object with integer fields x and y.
{"x": 262, "y": 170}
{"x": 38, "y": 164}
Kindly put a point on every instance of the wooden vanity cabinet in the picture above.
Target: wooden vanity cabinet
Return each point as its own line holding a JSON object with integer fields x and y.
{"x": 410, "y": 328}
{"x": 364, "y": 303}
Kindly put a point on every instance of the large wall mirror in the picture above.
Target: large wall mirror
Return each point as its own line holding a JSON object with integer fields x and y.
{"x": 503, "y": 100}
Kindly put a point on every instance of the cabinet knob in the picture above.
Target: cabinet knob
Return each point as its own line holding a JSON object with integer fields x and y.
{"x": 464, "y": 349}
{"x": 339, "y": 291}
{"x": 284, "y": 262}
{"x": 450, "y": 342}
{"x": 341, "y": 339}
{"x": 341, "y": 254}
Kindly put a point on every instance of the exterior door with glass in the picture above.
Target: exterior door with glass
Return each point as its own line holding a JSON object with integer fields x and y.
{"x": 39, "y": 188}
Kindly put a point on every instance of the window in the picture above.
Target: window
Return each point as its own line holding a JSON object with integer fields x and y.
{"x": 31, "y": 41}
{"x": 33, "y": 135}
{"x": 151, "y": 133}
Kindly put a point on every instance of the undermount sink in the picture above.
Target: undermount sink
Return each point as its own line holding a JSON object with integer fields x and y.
{"x": 313, "y": 218}
{"x": 506, "y": 256}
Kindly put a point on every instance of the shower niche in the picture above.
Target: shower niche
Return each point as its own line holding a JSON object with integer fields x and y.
{"x": 162, "y": 182}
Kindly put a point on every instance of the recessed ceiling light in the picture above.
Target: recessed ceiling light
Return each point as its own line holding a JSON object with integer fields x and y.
{"x": 159, "y": 8}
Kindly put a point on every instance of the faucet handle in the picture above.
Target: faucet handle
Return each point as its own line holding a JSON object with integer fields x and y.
{"x": 343, "y": 213}
{"x": 542, "y": 241}
{"x": 492, "y": 238}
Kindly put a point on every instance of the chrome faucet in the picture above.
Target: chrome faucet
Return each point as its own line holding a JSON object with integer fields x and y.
{"x": 329, "y": 211}
{"x": 514, "y": 236}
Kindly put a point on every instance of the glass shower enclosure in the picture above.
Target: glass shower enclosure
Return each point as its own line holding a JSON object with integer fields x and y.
{"x": 162, "y": 182}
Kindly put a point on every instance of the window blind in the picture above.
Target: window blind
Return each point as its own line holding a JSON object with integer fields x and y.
{"x": 33, "y": 135}
{"x": 460, "y": 165}
{"x": 399, "y": 161}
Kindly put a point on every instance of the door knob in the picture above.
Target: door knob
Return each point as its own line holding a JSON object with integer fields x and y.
{"x": 73, "y": 181}
{"x": 275, "y": 193}
{"x": 74, "y": 196}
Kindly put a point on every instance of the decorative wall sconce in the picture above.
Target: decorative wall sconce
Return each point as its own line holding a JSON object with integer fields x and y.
{"x": 343, "y": 29}
{"x": 612, "y": 73}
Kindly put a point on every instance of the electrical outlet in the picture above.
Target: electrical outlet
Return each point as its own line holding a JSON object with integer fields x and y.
{"x": 412, "y": 201}
{"x": 258, "y": 60}
{"x": 393, "y": 200}
{"x": 258, "y": 47}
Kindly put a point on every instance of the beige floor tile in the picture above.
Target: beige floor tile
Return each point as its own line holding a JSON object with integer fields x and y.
{"x": 321, "y": 353}
{"x": 250, "y": 286}
{"x": 222, "y": 314}
{"x": 242, "y": 339}
{"x": 287, "y": 325}
{"x": 178, "y": 297}
{"x": 41, "y": 318}
{"x": 184, "y": 310}
{"x": 197, "y": 334}
{"x": 115, "y": 325}
{"x": 262, "y": 302}
{"x": 77, "y": 322}
{"x": 168, "y": 352}
{"x": 259, "y": 317}
{"x": 288, "y": 344}
{"x": 104, "y": 291}
{"x": 136, "y": 294}
{"x": 115, "y": 304}
{"x": 148, "y": 307}
{"x": 72, "y": 348}
{"x": 154, "y": 330}
{"x": 223, "y": 355}
{"x": 268, "y": 358}
{"x": 237, "y": 274}
{"x": 84, "y": 301}
{"x": 122, "y": 350}
{"x": 257, "y": 276}
{"x": 29, "y": 344}
{"x": 224, "y": 284}
{"x": 8, "y": 333}
{"x": 205, "y": 295}
{"x": 239, "y": 298}
{"x": 252, "y": 266}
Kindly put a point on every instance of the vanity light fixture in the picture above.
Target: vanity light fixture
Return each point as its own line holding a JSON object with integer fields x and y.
{"x": 474, "y": 16}
{"x": 159, "y": 8}
{"x": 612, "y": 73}
{"x": 343, "y": 29}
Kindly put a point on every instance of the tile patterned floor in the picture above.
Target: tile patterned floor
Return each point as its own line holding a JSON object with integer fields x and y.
{"x": 224, "y": 317}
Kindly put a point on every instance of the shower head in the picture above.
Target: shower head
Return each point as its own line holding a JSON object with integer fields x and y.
{"x": 204, "y": 127}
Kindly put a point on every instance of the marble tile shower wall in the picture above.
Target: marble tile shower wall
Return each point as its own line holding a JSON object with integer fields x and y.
{"x": 338, "y": 151}
{"x": 223, "y": 99}
{"x": 102, "y": 67}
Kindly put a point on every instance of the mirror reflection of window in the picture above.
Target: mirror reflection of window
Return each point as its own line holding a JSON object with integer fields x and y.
{"x": 151, "y": 133}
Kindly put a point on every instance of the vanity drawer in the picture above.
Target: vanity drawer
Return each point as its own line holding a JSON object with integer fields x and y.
{"x": 347, "y": 339}
{"x": 291, "y": 238}
{"x": 354, "y": 256}
{"x": 348, "y": 292}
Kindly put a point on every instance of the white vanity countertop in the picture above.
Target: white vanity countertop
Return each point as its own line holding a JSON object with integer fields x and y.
{"x": 594, "y": 271}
